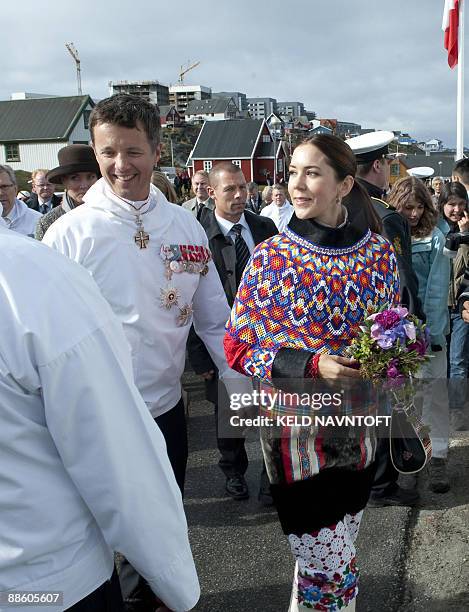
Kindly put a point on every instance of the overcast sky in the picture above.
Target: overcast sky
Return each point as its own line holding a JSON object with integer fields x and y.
{"x": 373, "y": 62}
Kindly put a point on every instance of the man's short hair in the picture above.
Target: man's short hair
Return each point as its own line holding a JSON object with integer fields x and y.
{"x": 364, "y": 169}
{"x": 127, "y": 111}
{"x": 461, "y": 169}
{"x": 217, "y": 169}
{"x": 252, "y": 185}
{"x": 279, "y": 187}
{"x": 203, "y": 173}
{"x": 34, "y": 173}
{"x": 11, "y": 173}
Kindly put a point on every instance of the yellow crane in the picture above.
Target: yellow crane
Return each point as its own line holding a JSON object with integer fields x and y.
{"x": 183, "y": 70}
{"x": 74, "y": 53}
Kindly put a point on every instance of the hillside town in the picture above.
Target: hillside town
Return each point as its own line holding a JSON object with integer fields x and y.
{"x": 195, "y": 120}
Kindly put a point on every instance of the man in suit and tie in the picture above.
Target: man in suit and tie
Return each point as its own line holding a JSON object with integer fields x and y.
{"x": 202, "y": 199}
{"x": 254, "y": 200}
{"x": 43, "y": 198}
{"x": 232, "y": 233}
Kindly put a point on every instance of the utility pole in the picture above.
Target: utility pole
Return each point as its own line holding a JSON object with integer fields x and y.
{"x": 74, "y": 53}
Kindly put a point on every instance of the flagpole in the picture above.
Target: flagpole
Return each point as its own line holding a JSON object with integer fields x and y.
{"x": 460, "y": 94}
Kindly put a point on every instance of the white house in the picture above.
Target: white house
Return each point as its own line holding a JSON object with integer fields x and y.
{"x": 433, "y": 146}
{"x": 33, "y": 130}
{"x": 214, "y": 109}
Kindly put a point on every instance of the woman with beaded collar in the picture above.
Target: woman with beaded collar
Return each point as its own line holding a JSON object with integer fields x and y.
{"x": 300, "y": 303}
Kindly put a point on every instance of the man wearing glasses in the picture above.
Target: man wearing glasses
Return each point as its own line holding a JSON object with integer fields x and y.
{"x": 43, "y": 198}
{"x": 16, "y": 214}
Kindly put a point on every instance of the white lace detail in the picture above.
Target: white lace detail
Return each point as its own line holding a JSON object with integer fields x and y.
{"x": 329, "y": 550}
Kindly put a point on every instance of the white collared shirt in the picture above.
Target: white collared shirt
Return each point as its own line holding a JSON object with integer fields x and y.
{"x": 77, "y": 442}
{"x": 280, "y": 215}
{"x": 22, "y": 219}
{"x": 227, "y": 229}
{"x": 46, "y": 203}
{"x": 99, "y": 234}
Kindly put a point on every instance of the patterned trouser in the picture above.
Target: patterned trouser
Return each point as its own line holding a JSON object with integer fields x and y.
{"x": 326, "y": 573}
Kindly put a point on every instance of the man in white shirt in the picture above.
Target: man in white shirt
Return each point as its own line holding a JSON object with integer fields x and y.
{"x": 280, "y": 211}
{"x": 150, "y": 260}
{"x": 202, "y": 199}
{"x": 83, "y": 466}
{"x": 16, "y": 215}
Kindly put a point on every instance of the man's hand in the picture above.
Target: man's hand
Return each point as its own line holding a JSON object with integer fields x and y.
{"x": 208, "y": 375}
{"x": 333, "y": 367}
{"x": 465, "y": 312}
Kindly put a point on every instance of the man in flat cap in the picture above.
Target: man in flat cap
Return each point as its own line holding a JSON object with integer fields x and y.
{"x": 373, "y": 170}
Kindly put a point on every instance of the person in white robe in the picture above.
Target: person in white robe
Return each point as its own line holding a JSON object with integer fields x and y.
{"x": 83, "y": 467}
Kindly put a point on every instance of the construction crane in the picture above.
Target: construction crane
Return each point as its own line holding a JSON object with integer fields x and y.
{"x": 183, "y": 70}
{"x": 74, "y": 53}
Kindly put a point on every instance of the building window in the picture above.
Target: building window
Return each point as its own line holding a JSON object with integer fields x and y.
{"x": 237, "y": 162}
{"x": 86, "y": 119}
{"x": 207, "y": 166}
{"x": 12, "y": 152}
{"x": 395, "y": 170}
{"x": 265, "y": 138}
{"x": 280, "y": 164}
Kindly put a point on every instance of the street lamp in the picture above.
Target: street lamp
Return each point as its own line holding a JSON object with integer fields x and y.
{"x": 439, "y": 168}
{"x": 275, "y": 123}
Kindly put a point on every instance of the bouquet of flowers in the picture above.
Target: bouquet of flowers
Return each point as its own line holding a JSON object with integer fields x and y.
{"x": 392, "y": 346}
{"x": 390, "y": 349}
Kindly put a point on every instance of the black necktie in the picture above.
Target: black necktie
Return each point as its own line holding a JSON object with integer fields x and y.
{"x": 242, "y": 252}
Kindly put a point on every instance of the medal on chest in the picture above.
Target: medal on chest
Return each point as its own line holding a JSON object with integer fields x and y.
{"x": 179, "y": 258}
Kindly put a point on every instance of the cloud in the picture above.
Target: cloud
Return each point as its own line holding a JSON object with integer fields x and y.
{"x": 379, "y": 64}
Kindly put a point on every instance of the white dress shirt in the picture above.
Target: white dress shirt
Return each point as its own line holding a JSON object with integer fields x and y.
{"x": 83, "y": 467}
{"x": 227, "y": 229}
{"x": 22, "y": 219}
{"x": 47, "y": 204}
{"x": 280, "y": 215}
{"x": 99, "y": 234}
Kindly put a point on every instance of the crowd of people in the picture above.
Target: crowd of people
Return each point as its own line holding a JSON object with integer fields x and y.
{"x": 99, "y": 312}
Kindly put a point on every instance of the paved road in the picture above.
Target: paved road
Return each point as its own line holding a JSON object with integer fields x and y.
{"x": 242, "y": 556}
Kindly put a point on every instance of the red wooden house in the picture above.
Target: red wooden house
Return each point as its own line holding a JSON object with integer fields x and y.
{"x": 247, "y": 143}
{"x": 169, "y": 117}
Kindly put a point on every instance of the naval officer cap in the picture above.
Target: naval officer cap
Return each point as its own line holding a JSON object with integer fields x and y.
{"x": 371, "y": 146}
{"x": 421, "y": 172}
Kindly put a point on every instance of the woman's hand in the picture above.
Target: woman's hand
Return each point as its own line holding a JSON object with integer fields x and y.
{"x": 464, "y": 222}
{"x": 333, "y": 367}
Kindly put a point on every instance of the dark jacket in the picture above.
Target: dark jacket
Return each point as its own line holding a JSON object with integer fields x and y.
{"x": 257, "y": 206}
{"x": 33, "y": 201}
{"x": 224, "y": 258}
{"x": 396, "y": 230}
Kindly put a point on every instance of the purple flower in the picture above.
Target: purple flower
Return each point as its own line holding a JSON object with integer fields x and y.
{"x": 387, "y": 319}
{"x": 419, "y": 346}
{"x": 410, "y": 330}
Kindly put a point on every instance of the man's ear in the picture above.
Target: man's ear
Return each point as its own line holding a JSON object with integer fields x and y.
{"x": 211, "y": 192}
{"x": 158, "y": 153}
{"x": 377, "y": 165}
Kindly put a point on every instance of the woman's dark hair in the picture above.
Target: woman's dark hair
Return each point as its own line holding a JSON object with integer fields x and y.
{"x": 341, "y": 159}
{"x": 448, "y": 191}
{"x": 408, "y": 189}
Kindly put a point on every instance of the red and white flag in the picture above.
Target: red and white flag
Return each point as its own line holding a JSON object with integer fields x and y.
{"x": 450, "y": 27}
